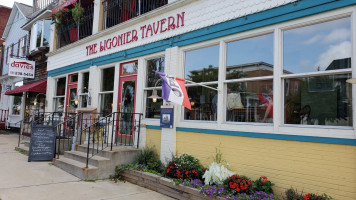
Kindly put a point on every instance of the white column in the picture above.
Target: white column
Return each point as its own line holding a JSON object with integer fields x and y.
{"x": 278, "y": 86}
{"x": 94, "y": 86}
{"x": 140, "y": 99}
{"x": 96, "y": 16}
{"x": 50, "y": 94}
{"x": 169, "y": 135}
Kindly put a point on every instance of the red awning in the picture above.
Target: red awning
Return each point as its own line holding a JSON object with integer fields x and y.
{"x": 39, "y": 87}
{"x": 65, "y": 4}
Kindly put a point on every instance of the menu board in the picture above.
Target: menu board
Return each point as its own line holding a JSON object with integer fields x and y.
{"x": 43, "y": 141}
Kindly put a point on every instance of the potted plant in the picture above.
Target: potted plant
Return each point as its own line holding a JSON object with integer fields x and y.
{"x": 78, "y": 16}
{"x": 61, "y": 17}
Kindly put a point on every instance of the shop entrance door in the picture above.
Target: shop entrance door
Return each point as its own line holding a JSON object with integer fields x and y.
{"x": 126, "y": 103}
{"x": 71, "y": 105}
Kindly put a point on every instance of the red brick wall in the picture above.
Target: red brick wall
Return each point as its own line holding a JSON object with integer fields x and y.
{"x": 4, "y": 15}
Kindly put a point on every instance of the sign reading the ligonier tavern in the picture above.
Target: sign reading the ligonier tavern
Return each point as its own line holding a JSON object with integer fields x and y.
{"x": 21, "y": 68}
{"x": 142, "y": 32}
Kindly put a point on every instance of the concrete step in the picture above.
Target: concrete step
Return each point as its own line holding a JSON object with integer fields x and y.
{"x": 96, "y": 161}
{"x": 107, "y": 153}
{"x": 77, "y": 168}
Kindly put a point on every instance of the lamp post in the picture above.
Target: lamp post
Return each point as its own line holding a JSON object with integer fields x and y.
{"x": 76, "y": 100}
{"x": 154, "y": 95}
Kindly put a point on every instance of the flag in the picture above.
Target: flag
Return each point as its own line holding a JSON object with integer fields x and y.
{"x": 173, "y": 89}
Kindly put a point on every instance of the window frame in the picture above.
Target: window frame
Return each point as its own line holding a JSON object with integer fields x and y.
{"x": 278, "y": 126}
{"x": 55, "y": 96}
{"x": 81, "y": 94}
{"x": 146, "y": 88}
{"x": 100, "y": 93}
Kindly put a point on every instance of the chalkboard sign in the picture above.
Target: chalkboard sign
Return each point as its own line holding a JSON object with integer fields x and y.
{"x": 43, "y": 141}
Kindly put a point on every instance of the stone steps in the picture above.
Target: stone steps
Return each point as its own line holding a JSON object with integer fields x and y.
{"x": 101, "y": 165}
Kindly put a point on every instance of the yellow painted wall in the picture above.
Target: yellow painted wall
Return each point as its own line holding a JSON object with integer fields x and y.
{"x": 306, "y": 166}
{"x": 153, "y": 139}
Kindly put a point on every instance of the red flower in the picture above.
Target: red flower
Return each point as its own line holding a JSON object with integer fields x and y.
{"x": 264, "y": 181}
{"x": 167, "y": 170}
{"x": 263, "y": 177}
{"x": 233, "y": 176}
{"x": 237, "y": 189}
{"x": 186, "y": 173}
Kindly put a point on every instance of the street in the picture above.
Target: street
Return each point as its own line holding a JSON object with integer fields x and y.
{"x": 22, "y": 180}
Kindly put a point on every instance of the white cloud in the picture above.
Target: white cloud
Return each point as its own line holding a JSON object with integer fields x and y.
{"x": 305, "y": 64}
{"x": 340, "y": 51}
{"x": 313, "y": 39}
{"x": 337, "y": 35}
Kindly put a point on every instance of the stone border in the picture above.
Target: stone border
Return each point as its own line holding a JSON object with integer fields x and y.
{"x": 162, "y": 185}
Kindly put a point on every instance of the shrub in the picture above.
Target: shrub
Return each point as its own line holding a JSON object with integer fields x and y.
{"x": 292, "y": 194}
{"x": 263, "y": 184}
{"x": 150, "y": 159}
{"x": 236, "y": 184}
{"x": 216, "y": 174}
{"x": 184, "y": 167}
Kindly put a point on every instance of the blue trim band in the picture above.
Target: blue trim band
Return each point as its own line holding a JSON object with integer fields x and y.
{"x": 276, "y": 15}
{"x": 272, "y": 136}
{"x": 153, "y": 127}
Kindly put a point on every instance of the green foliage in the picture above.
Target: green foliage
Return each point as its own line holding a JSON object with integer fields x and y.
{"x": 78, "y": 13}
{"x": 263, "y": 184}
{"x": 238, "y": 184}
{"x": 149, "y": 158}
{"x": 292, "y": 194}
{"x": 61, "y": 18}
{"x": 118, "y": 170}
{"x": 184, "y": 167}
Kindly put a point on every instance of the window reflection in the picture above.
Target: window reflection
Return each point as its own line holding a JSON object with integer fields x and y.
{"x": 202, "y": 65}
{"x": 318, "y": 100}
{"x": 319, "y": 47}
{"x": 252, "y": 57}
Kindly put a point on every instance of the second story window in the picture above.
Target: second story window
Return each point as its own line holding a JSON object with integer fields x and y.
{"x": 40, "y": 34}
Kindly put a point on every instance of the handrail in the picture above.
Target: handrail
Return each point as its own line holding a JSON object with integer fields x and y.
{"x": 108, "y": 124}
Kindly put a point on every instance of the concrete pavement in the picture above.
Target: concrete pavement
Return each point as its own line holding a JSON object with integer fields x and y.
{"x": 22, "y": 180}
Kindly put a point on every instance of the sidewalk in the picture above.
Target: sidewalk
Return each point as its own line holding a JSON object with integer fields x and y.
{"x": 22, "y": 180}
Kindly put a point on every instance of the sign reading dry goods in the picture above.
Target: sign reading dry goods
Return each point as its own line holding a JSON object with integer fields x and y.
{"x": 144, "y": 31}
{"x": 21, "y": 68}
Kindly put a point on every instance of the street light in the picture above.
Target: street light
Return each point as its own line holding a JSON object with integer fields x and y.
{"x": 76, "y": 100}
{"x": 35, "y": 101}
{"x": 154, "y": 95}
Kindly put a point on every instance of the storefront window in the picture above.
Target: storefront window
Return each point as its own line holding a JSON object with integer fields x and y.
{"x": 202, "y": 65}
{"x": 314, "y": 99}
{"x": 17, "y": 101}
{"x": 107, "y": 91}
{"x": 204, "y": 103}
{"x": 84, "y": 90}
{"x": 108, "y": 76}
{"x": 60, "y": 94}
{"x": 106, "y": 103}
{"x": 153, "y": 109}
{"x": 250, "y": 101}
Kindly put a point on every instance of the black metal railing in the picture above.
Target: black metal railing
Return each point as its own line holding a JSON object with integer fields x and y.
{"x": 115, "y": 129}
{"x": 119, "y": 11}
{"x": 66, "y": 132}
{"x": 72, "y": 32}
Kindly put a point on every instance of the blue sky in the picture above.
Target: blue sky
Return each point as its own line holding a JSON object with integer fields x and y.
{"x": 305, "y": 48}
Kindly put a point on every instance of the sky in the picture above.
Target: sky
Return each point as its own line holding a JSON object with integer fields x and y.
{"x": 10, "y": 3}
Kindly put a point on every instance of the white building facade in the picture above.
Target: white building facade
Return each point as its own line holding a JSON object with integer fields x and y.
{"x": 280, "y": 68}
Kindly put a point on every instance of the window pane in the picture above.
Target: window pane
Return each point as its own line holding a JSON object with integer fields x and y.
{"x": 61, "y": 85}
{"x": 153, "y": 109}
{"x": 203, "y": 102}
{"x": 106, "y": 103}
{"x": 320, "y": 47}
{"x": 202, "y": 65}
{"x": 250, "y": 101}
{"x": 16, "y": 106}
{"x": 129, "y": 68}
{"x": 73, "y": 78}
{"x": 252, "y": 57}
{"x": 59, "y": 104}
{"x": 318, "y": 100}
{"x": 85, "y": 83}
{"x": 84, "y": 101}
{"x": 153, "y": 66}
{"x": 39, "y": 33}
{"x": 46, "y": 32}
{"x": 108, "y": 79}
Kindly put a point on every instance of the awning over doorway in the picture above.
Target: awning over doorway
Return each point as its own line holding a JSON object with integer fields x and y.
{"x": 40, "y": 87}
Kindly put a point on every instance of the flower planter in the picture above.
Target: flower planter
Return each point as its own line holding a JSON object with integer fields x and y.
{"x": 73, "y": 34}
{"x": 162, "y": 185}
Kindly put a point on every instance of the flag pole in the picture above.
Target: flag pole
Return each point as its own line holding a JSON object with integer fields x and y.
{"x": 202, "y": 85}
